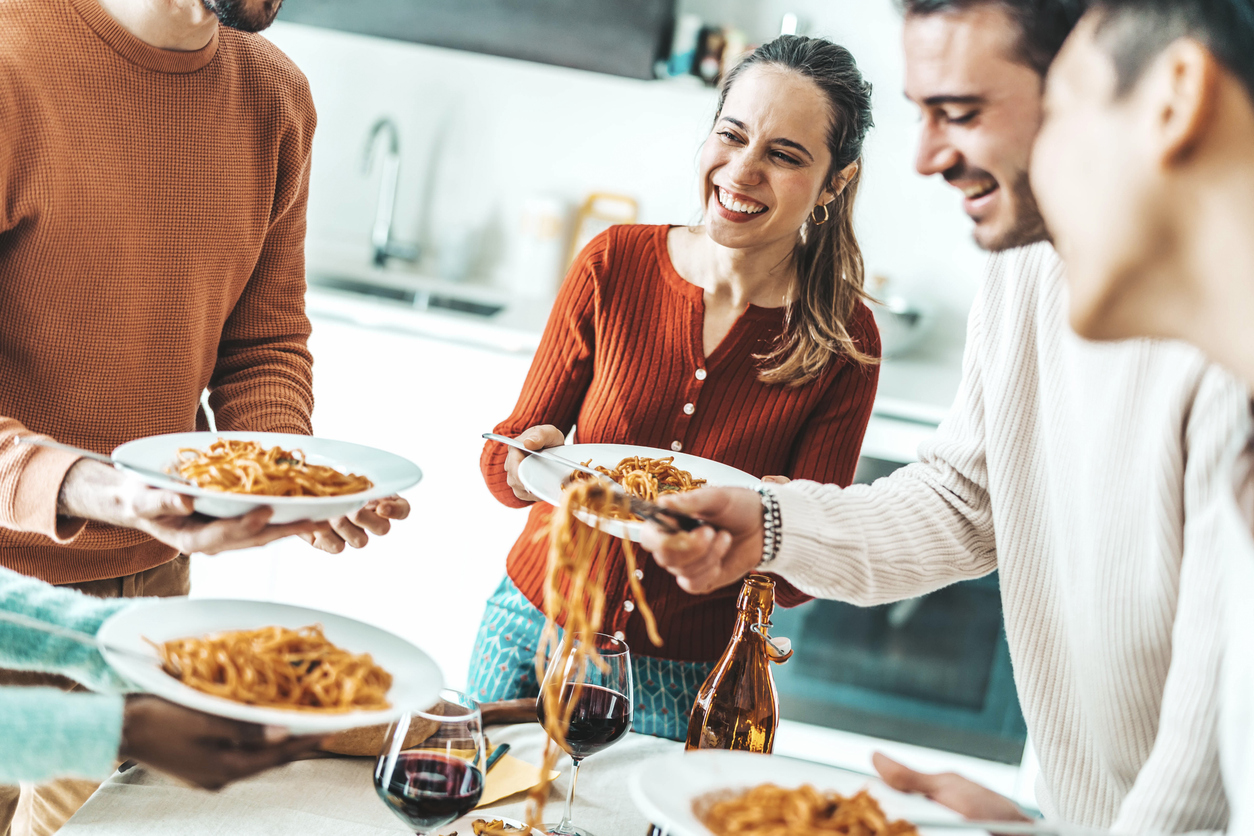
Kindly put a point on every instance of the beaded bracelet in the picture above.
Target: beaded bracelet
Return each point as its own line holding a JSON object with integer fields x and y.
{"x": 770, "y": 526}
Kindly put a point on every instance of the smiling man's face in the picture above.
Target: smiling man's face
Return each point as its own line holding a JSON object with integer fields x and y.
{"x": 981, "y": 108}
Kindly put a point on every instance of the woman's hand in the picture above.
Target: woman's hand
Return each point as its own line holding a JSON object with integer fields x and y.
{"x": 537, "y": 438}
{"x": 355, "y": 530}
{"x": 709, "y": 558}
{"x": 207, "y": 751}
{"x": 95, "y": 491}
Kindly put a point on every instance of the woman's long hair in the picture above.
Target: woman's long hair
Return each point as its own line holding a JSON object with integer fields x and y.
{"x": 828, "y": 261}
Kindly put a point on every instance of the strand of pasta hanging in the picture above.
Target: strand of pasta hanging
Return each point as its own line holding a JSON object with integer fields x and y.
{"x": 572, "y": 589}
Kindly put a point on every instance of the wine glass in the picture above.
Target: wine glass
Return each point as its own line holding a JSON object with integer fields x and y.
{"x": 431, "y": 769}
{"x": 602, "y": 696}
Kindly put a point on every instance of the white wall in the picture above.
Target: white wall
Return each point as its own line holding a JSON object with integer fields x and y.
{"x": 481, "y": 134}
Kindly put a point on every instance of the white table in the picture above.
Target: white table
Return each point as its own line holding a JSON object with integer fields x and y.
{"x": 335, "y": 797}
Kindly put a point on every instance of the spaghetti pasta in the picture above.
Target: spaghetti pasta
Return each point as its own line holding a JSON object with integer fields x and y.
{"x": 572, "y": 589}
{"x": 770, "y": 810}
{"x": 235, "y": 466}
{"x": 276, "y": 667}
{"x": 643, "y": 477}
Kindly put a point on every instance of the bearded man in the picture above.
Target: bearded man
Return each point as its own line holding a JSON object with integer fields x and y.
{"x": 154, "y": 173}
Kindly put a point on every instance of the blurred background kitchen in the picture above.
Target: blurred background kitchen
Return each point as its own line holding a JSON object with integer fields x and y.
{"x": 465, "y": 149}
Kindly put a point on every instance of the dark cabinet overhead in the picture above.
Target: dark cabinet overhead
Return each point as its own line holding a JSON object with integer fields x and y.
{"x": 620, "y": 37}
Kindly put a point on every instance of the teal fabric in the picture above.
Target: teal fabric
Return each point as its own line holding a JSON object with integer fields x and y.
{"x": 503, "y": 667}
{"x": 29, "y": 650}
{"x": 46, "y": 732}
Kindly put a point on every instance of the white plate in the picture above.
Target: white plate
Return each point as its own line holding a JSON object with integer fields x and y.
{"x": 664, "y": 788}
{"x": 390, "y": 473}
{"x": 465, "y": 825}
{"x": 546, "y": 479}
{"x": 416, "y": 680}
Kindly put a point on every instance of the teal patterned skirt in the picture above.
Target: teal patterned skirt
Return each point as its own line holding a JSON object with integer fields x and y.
{"x": 503, "y": 667}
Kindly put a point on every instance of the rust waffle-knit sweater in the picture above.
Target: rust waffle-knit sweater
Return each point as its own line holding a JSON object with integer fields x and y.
{"x": 152, "y": 223}
{"x": 622, "y": 359}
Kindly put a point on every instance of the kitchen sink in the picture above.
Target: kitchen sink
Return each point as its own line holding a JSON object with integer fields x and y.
{"x": 418, "y": 298}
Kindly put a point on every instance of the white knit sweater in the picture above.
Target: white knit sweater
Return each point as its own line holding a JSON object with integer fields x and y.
{"x": 1087, "y": 474}
{"x": 1237, "y": 727}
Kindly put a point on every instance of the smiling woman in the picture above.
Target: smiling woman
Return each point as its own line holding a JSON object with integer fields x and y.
{"x": 744, "y": 341}
{"x": 775, "y": 178}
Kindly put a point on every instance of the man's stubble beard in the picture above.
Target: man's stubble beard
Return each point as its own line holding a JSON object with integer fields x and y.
{"x": 1028, "y": 227}
{"x": 237, "y": 14}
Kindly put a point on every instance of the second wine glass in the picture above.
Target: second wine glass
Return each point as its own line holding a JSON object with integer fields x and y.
{"x": 599, "y": 699}
{"x": 431, "y": 769}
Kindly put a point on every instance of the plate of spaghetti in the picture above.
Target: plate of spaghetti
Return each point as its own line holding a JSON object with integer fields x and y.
{"x": 647, "y": 472}
{"x": 301, "y": 477}
{"x": 746, "y": 794}
{"x": 305, "y": 670}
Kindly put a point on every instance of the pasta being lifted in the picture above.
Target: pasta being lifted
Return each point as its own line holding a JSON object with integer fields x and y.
{"x": 574, "y": 590}
{"x": 275, "y": 667}
{"x": 644, "y": 477}
{"x": 234, "y": 466}
{"x": 770, "y": 810}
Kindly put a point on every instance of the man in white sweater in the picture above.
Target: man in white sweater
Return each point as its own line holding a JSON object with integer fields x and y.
{"x": 1085, "y": 473}
{"x": 1151, "y": 118}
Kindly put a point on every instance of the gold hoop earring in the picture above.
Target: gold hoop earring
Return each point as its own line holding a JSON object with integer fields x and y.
{"x": 814, "y": 214}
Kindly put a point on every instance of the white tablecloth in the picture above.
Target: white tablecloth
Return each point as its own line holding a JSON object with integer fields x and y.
{"x": 336, "y": 797}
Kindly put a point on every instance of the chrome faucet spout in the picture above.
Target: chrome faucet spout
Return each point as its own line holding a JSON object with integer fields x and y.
{"x": 381, "y": 242}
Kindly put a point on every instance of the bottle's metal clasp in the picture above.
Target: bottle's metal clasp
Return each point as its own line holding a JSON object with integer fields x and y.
{"x": 777, "y": 649}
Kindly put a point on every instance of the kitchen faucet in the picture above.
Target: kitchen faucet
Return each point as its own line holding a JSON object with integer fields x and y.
{"x": 381, "y": 235}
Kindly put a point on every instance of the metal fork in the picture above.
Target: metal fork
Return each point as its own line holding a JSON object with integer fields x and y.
{"x": 100, "y": 457}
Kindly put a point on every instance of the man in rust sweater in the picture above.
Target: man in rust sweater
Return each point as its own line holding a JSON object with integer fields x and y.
{"x": 154, "y": 171}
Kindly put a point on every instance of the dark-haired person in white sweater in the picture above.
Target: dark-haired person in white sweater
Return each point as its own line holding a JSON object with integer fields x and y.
{"x": 1087, "y": 474}
{"x": 1151, "y": 121}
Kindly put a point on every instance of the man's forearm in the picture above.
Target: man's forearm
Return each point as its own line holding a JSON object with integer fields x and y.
{"x": 904, "y": 536}
{"x": 92, "y": 491}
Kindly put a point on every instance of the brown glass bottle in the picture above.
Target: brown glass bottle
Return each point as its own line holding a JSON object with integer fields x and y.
{"x": 727, "y": 714}
{"x": 738, "y": 706}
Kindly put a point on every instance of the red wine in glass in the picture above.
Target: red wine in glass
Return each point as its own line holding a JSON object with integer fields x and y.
{"x": 601, "y": 717}
{"x": 599, "y": 697}
{"x": 434, "y": 776}
{"x": 428, "y": 790}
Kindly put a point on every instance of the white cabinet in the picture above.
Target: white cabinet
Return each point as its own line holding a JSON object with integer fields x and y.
{"x": 428, "y": 400}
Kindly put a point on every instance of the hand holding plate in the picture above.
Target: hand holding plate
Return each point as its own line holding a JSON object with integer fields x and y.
{"x": 355, "y": 529}
{"x": 538, "y": 437}
{"x": 201, "y": 749}
{"x": 96, "y": 491}
{"x": 962, "y": 795}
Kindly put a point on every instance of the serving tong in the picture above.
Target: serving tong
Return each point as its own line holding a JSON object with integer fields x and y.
{"x": 672, "y": 522}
